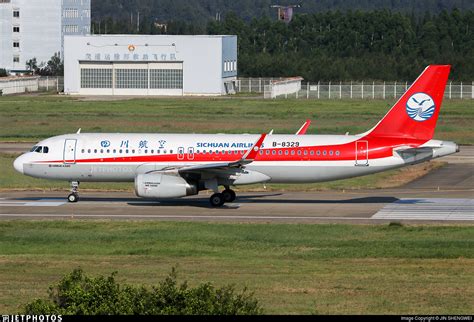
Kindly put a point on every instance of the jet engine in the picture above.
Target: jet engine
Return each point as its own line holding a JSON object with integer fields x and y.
{"x": 163, "y": 186}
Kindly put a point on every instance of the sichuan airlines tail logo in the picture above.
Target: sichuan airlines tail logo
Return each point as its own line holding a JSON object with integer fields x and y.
{"x": 420, "y": 107}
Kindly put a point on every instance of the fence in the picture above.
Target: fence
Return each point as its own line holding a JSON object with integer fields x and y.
{"x": 349, "y": 90}
{"x": 17, "y": 85}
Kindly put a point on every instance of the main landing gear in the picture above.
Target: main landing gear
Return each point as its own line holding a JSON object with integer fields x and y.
{"x": 74, "y": 195}
{"x": 218, "y": 199}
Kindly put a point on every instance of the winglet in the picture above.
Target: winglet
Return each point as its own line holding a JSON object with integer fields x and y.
{"x": 252, "y": 152}
{"x": 303, "y": 128}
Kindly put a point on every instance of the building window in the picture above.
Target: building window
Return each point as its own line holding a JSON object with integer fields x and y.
{"x": 16, "y": 59}
{"x": 16, "y": 29}
{"x": 96, "y": 78}
{"x": 131, "y": 78}
{"x": 71, "y": 29}
{"x": 16, "y": 13}
{"x": 71, "y": 13}
{"x": 166, "y": 78}
{"x": 16, "y": 44}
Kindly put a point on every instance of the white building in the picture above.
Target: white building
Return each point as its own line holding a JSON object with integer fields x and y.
{"x": 35, "y": 29}
{"x": 150, "y": 65}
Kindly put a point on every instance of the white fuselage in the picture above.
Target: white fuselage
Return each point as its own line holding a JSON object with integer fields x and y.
{"x": 282, "y": 158}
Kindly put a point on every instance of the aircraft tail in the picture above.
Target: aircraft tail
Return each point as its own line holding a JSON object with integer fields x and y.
{"x": 415, "y": 114}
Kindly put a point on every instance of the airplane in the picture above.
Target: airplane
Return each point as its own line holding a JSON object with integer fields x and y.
{"x": 166, "y": 166}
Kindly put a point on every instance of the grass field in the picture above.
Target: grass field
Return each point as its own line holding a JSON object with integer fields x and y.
{"x": 30, "y": 118}
{"x": 12, "y": 180}
{"x": 325, "y": 269}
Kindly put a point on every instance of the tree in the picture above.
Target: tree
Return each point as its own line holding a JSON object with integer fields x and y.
{"x": 3, "y": 72}
{"x": 54, "y": 67}
{"x": 79, "y": 294}
{"x": 32, "y": 65}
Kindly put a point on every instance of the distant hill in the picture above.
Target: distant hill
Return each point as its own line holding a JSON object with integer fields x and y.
{"x": 201, "y": 11}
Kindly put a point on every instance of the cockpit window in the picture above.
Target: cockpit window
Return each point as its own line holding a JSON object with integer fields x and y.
{"x": 40, "y": 149}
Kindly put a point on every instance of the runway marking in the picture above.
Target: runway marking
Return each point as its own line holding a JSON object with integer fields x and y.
{"x": 428, "y": 209}
{"x": 32, "y": 203}
{"x": 182, "y": 217}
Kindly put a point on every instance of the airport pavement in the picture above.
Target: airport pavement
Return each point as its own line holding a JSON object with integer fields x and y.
{"x": 444, "y": 195}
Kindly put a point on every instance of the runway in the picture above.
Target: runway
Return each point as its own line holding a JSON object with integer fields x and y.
{"x": 446, "y": 195}
{"x": 364, "y": 207}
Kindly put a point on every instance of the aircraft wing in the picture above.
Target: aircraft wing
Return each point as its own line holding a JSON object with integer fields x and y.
{"x": 247, "y": 158}
{"x": 304, "y": 128}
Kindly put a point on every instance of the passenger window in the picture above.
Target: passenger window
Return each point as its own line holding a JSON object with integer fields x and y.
{"x": 286, "y": 152}
{"x": 89, "y": 151}
{"x": 337, "y": 152}
{"x": 331, "y": 152}
{"x": 95, "y": 150}
{"x": 133, "y": 151}
{"x": 171, "y": 151}
{"x": 293, "y": 152}
{"x": 280, "y": 152}
{"x": 120, "y": 151}
{"x": 268, "y": 152}
{"x": 114, "y": 151}
{"x": 318, "y": 153}
{"x": 152, "y": 151}
{"x": 261, "y": 152}
{"x": 311, "y": 152}
{"x": 325, "y": 152}
{"x": 45, "y": 149}
{"x": 101, "y": 150}
{"x": 108, "y": 150}
{"x": 126, "y": 151}
{"x": 299, "y": 152}
{"x": 305, "y": 152}
{"x": 274, "y": 152}
{"x": 82, "y": 151}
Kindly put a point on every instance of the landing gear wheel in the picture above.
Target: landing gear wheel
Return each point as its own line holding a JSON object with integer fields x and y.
{"x": 217, "y": 200}
{"x": 73, "y": 197}
{"x": 229, "y": 195}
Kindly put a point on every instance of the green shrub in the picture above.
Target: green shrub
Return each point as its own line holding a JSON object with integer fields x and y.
{"x": 3, "y": 72}
{"x": 77, "y": 293}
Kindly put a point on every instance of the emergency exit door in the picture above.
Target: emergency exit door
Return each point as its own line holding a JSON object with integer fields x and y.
{"x": 362, "y": 153}
{"x": 69, "y": 155}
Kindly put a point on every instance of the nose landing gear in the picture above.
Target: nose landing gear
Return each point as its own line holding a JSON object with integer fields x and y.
{"x": 74, "y": 195}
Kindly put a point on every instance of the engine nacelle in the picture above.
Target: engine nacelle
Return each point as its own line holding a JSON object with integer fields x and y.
{"x": 163, "y": 186}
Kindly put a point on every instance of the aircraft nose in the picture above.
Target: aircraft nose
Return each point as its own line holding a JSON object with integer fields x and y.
{"x": 18, "y": 164}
